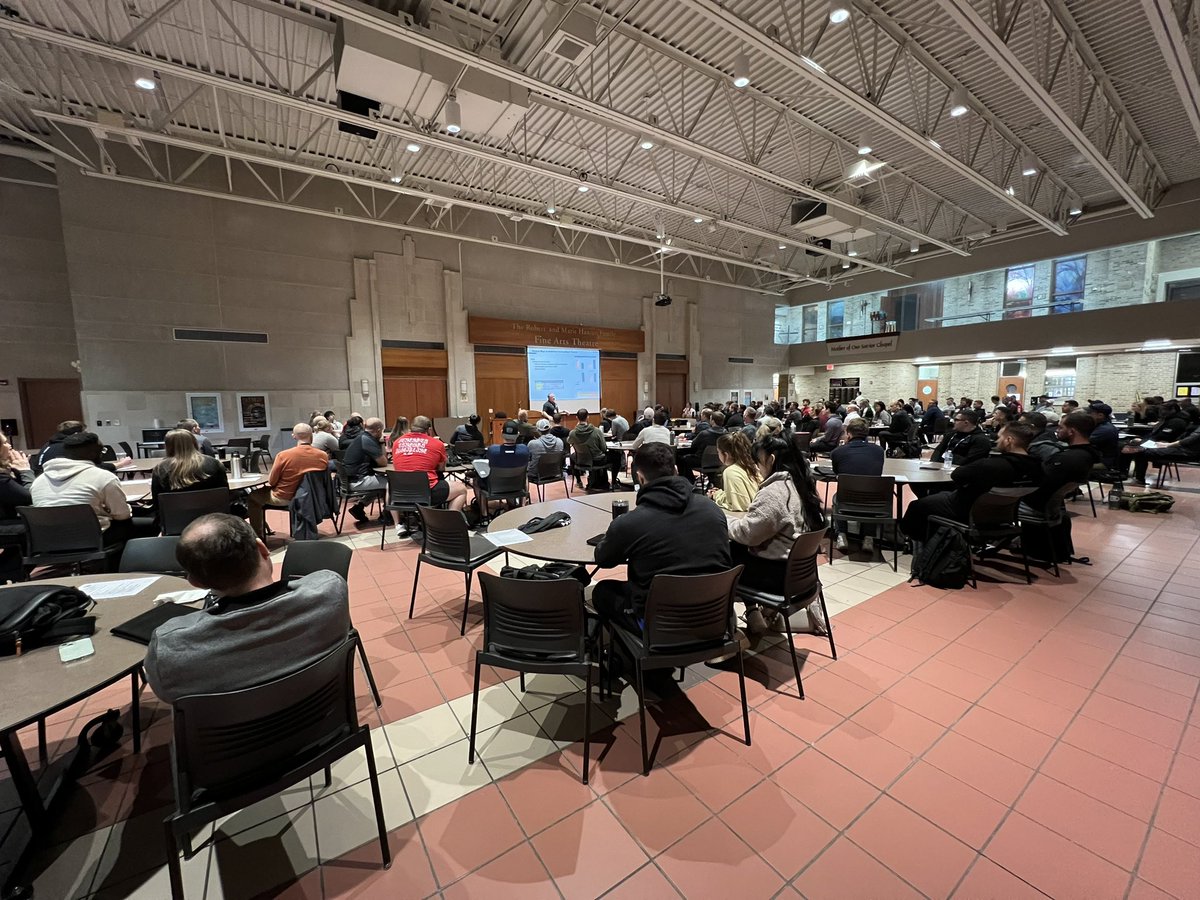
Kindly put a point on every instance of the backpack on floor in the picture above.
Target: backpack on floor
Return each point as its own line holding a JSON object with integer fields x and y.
{"x": 1147, "y": 501}
{"x": 549, "y": 572}
{"x": 943, "y": 561}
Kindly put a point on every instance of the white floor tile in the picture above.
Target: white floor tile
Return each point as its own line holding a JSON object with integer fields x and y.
{"x": 73, "y": 866}
{"x": 423, "y": 733}
{"x": 270, "y": 854}
{"x": 496, "y": 705}
{"x": 441, "y": 777}
{"x": 346, "y": 819}
{"x": 513, "y": 746}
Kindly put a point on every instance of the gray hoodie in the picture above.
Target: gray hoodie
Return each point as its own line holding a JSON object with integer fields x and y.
{"x": 68, "y": 482}
{"x": 541, "y": 444}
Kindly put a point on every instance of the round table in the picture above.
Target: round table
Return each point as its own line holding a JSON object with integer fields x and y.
{"x": 566, "y": 544}
{"x": 136, "y": 491}
{"x": 905, "y": 471}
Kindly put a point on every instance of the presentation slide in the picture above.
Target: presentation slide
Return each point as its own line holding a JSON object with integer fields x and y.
{"x": 572, "y": 376}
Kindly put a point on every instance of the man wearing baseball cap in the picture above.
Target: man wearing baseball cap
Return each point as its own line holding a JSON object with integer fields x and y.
{"x": 1104, "y": 435}
{"x": 543, "y": 443}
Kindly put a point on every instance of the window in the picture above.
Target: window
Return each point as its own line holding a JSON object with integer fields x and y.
{"x": 1018, "y": 292}
{"x": 1066, "y": 294}
{"x": 785, "y": 332}
{"x": 906, "y": 312}
{"x": 837, "y": 319}
{"x": 808, "y": 324}
{"x": 1188, "y": 289}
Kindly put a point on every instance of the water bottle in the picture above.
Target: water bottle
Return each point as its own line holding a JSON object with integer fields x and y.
{"x": 1114, "y": 498}
{"x": 235, "y": 465}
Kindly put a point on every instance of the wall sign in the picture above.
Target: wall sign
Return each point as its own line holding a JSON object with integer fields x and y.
{"x": 206, "y": 409}
{"x": 254, "y": 412}
{"x": 523, "y": 333}
{"x": 863, "y": 346}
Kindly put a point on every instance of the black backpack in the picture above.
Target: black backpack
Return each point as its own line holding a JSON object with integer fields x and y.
{"x": 36, "y": 615}
{"x": 944, "y": 561}
{"x": 549, "y": 572}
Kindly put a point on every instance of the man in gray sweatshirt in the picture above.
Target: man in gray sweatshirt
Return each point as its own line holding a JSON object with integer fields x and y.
{"x": 258, "y": 630}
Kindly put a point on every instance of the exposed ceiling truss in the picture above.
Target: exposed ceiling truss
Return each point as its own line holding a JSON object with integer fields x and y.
{"x": 1176, "y": 27}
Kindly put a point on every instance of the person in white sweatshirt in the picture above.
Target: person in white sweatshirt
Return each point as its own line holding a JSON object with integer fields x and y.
{"x": 76, "y": 478}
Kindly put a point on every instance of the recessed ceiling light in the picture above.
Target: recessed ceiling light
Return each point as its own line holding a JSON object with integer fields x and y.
{"x": 699, "y": 220}
{"x": 583, "y": 189}
{"x": 838, "y": 12}
{"x": 413, "y": 148}
{"x": 863, "y": 148}
{"x": 646, "y": 144}
{"x": 959, "y": 102}
{"x": 145, "y": 83}
{"x": 551, "y": 210}
{"x": 741, "y": 70}
{"x": 783, "y": 246}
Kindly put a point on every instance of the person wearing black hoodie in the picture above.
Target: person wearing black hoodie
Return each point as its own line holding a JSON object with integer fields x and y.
{"x": 15, "y": 480}
{"x": 350, "y": 432}
{"x": 671, "y": 531}
{"x": 54, "y": 447}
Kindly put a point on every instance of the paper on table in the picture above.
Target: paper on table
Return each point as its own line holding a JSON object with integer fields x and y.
{"x": 507, "y": 537}
{"x": 1149, "y": 445}
{"x": 110, "y": 590}
{"x": 190, "y": 596}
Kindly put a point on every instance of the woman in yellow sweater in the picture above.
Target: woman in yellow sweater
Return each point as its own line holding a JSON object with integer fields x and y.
{"x": 740, "y": 478}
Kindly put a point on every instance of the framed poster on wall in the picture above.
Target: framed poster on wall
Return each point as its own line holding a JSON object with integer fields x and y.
{"x": 206, "y": 409}
{"x": 254, "y": 412}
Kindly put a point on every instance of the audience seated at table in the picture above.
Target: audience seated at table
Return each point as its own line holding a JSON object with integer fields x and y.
{"x": 930, "y": 419}
{"x": 1172, "y": 422}
{"x": 858, "y": 456}
{"x": 645, "y": 420}
{"x": 1047, "y": 408}
{"x": 526, "y": 431}
{"x": 419, "y": 451}
{"x": 1045, "y": 443}
{"x": 767, "y": 426}
{"x": 658, "y": 432}
{"x": 591, "y": 450}
{"x": 618, "y": 425}
{"x": 468, "y": 431}
{"x": 202, "y": 442}
{"x": 287, "y": 471}
{"x": 76, "y": 477}
{"x": 1186, "y": 448}
{"x": 350, "y": 431}
{"x": 16, "y": 477}
{"x": 1104, "y": 435}
{"x": 511, "y": 454}
{"x": 545, "y": 442}
{"x": 832, "y": 430}
{"x": 739, "y": 478}
{"x": 671, "y": 531}
{"x": 185, "y": 468}
{"x": 1073, "y": 460}
{"x": 324, "y": 437}
{"x": 53, "y": 448}
{"x": 1011, "y": 467}
{"x": 558, "y": 429}
{"x": 965, "y": 442}
{"x": 880, "y": 413}
{"x": 703, "y": 423}
{"x": 785, "y": 506}
{"x": 258, "y": 630}
{"x": 749, "y": 424}
{"x": 701, "y": 441}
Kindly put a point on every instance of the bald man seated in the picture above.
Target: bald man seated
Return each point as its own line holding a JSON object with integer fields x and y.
{"x": 288, "y": 471}
{"x": 258, "y": 630}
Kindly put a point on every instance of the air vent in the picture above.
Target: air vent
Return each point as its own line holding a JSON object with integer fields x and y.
{"x": 1010, "y": 369}
{"x": 413, "y": 345}
{"x": 681, "y": 357}
{"x": 221, "y": 337}
{"x": 501, "y": 350}
{"x": 741, "y": 359}
{"x": 360, "y": 106}
{"x": 617, "y": 354}
{"x": 573, "y": 38}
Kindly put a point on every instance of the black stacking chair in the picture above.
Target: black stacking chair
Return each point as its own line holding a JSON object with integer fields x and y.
{"x": 304, "y": 557}
{"x": 63, "y": 535}
{"x": 124, "y": 445}
{"x": 507, "y": 483}
{"x": 1047, "y": 518}
{"x": 689, "y": 619}
{"x": 406, "y": 492}
{"x": 710, "y": 466}
{"x": 152, "y": 554}
{"x": 994, "y": 518}
{"x": 235, "y": 749}
{"x": 868, "y": 499}
{"x": 801, "y": 586}
{"x": 551, "y": 467}
{"x": 348, "y": 496}
{"x": 538, "y": 627}
{"x": 178, "y": 509}
{"x": 448, "y": 544}
{"x": 264, "y": 444}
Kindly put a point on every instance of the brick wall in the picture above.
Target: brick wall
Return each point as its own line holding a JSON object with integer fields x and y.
{"x": 1120, "y": 378}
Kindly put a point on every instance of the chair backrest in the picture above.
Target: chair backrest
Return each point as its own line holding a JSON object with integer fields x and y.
{"x": 34, "y": 459}
{"x": 124, "y": 445}
{"x": 231, "y": 743}
{"x": 550, "y": 465}
{"x": 238, "y": 444}
{"x": 866, "y": 495}
{"x": 446, "y": 534}
{"x": 305, "y": 557}
{"x": 411, "y": 488}
{"x": 533, "y": 619}
{"x": 343, "y": 476}
{"x": 710, "y": 461}
{"x": 801, "y": 440}
{"x": 802, "y": 578}
{"x": 512, "y": 480}
{"x": 178, "y": 509}
{"x": 108, "y": 454}
{"x": 444, "y": 426}
{"x": 690, "y": 612}
{"x": 264, "y": 443}
{"x": 941, "y": 426}
{"x": 152, "y": 554}
{"x": 61, "y": 529}
{"x": 253, "y": 462}
{"x": 463, "y": 447}
{"x": 998, "y": 507}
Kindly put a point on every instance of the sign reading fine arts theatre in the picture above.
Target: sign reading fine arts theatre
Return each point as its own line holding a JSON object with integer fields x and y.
{"x": 862, "y": 346}
{"x": 523, "y": 333}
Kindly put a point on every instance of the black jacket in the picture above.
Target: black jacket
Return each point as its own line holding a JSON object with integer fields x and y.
{"x": 962, "y": 448}
{"x": 14, "y": 491}
{"x": 706, "y": 438}
{"x": 1105, "y": 439}
{"x": 1072, "y": 464}
{"x": 1170, "y": 429}
{"x": 931, "y": 417}
{"x": 349, "y": 433}
{"x": 671, "y": 531}
{"x": 975, "y": 479}
{"x": 901, "y": 423}
{"x": 858, "y": 457}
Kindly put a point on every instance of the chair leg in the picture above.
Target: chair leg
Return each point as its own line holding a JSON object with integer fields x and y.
{"x": 1025, "y": 560}
{"x": 828, "y": 622}
{"x": 135, "y": 710}
{"x": 474, "y": 713}
{"x": 329, "y": 775}
{"x": 587, "y": 723}
{"x": 466, "y": 605}
{"x": 641, "y": 692}
{"x": 385, "y": 850}
{"x": 412, "y": 604}
{"x": 1091, "y": 499}
{"x": 742, "y": 685}
{"x": 173, "y": 868}
{"x": 787, "y": 625}
{"x": 522, "y": 680}
{"x": 366, "y": 664}
{"x": 43, "y": 754}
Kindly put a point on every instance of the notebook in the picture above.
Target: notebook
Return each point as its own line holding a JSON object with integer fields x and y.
{"x": 142, "y": 626}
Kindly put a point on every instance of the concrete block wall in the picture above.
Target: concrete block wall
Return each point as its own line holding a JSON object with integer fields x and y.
{"x": 1121, "y": 378}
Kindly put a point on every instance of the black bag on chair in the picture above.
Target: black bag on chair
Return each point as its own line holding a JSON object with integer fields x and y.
{"x": 36, "y": 615}
{"x": 549, "y": 572}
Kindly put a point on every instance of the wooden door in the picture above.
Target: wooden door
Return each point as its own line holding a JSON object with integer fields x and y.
{"x": 671, "y": 381}
{"x": 1014, "y": 385}
{"x": 618, "y": 386}
{"x": 927, "y": 389}
{"x": 501, "y": 384}
{"x": 411, "y": 396}
{"x": 44, "y": 403}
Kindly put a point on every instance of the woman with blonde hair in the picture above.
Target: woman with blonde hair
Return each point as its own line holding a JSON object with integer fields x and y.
{"x": 323, "y": 436}
{"x": 740, "y": 478}
{"x": 768, "y": 426}
{"x": 185, "y": 467}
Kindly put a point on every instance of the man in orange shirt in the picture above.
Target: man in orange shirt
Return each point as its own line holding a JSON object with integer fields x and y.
{"x": 288, "y": 471}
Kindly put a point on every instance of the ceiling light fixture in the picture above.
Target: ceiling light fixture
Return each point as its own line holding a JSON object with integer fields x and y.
{"x": 838, "y": 12}
{"x": 863, "y": 147}
{"x": 959, "y": 102}
{"x": 646, "y": 144}
{"x": 145, "y": 83}
{"x": 845, "y": 264}
{"x": 852, "y": 250}
{"x": 551, "y": 209}
{"x": 1029, "y": 164}
{"x": 699, "y": 220}
{"x": 1157, "y": 344}
{"x": 812, "y": 64}
{"x": 921, "y": 359}
{"x": 914, "y": 245}
{"x": 934, "y": 144}
{"x": 1011, "y": 191}
{"x": 397, "y": 175}
{"x": 453, "y": 115}
{"x": 987, "y": 354}
{"x": 1074, "y": 205}
{"x": 741, "y": 70}
{"x": 583, "y": 189}
{"x": 413, "y": 148}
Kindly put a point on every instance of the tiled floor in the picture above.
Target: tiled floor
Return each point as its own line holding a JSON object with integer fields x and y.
{"x": 1015, "y": 741}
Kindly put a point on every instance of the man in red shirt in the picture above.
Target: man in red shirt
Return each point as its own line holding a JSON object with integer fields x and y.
{"x": 419, "y": 451}
{"x": 287, "y": 472}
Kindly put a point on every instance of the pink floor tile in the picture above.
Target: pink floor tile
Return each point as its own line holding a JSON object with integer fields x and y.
{"x": 986, "y": 770}
{"x": 469, "y": 832}
{"x": 518, "y": 874}
{"x": 1171, "y": 864}
{"x": 955, "y": 806}
{"x": 1053, "y": 864}
{"x": 830, "y": 790}
{"x": 988, "y": 881}
{"x": 846, "y": 870}
{"x": 657, "y": 811}
{"x": 1093, "y": 825}
{"x": 588, "y": 852}
{"x": 873, "y": 758}
{"x": 785, "y": 832}
{"x": 714, "y": 861}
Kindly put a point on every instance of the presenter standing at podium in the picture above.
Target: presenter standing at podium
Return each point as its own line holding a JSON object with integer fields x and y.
{"x": 550, "y": 407}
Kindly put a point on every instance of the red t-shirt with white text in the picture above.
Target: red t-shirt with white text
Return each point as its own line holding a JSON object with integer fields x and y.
{"x": 416, "y": 452}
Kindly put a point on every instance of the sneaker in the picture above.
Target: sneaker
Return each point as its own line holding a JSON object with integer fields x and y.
{"x": 869, "y": 544}
{"x": 358, "y": 512}
{"x": 402, "y": 533}
{"x": 843, "y": 543}
{"x": 755, "y": 623}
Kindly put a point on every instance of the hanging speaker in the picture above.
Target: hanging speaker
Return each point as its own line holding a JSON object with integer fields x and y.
{"x": 360, "y": 106}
